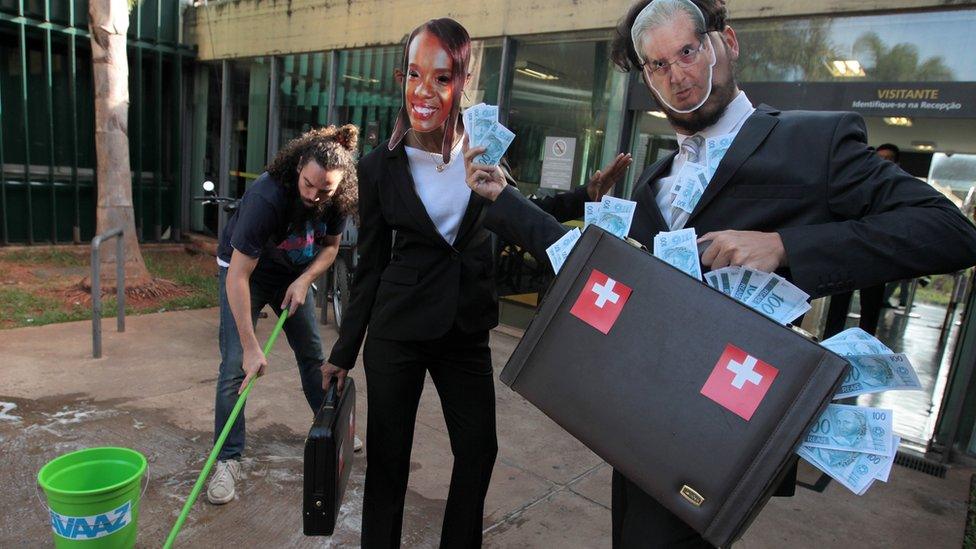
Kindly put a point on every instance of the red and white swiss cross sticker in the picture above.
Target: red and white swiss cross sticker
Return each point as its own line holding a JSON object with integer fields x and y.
{"x": 600, "y": 302}
{"x": 739, "y": 381}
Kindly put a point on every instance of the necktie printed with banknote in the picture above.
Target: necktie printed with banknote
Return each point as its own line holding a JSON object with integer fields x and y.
{"x": 692, "y": 180}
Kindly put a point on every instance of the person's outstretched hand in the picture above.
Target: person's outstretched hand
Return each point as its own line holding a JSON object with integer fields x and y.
{"x": 603, "y": 180}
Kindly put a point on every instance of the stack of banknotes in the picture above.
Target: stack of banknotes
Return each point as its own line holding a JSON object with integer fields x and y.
{"x": 483, "y": 129}
{"x": 855, "y": 445}
{"x": 611, "y": 214}
{"x": 560, "y": 249}
{"x": 768, "y": 293}
{"x": 680, "y": 250}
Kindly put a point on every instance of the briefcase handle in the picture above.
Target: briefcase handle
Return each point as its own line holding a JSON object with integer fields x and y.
{"x": 332, "y": 394}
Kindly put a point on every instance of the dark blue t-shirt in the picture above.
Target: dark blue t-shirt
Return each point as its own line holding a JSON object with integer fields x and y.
{"x": 261, "y": 228}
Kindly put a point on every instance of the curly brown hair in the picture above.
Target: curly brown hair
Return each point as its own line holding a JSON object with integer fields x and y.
{"x": 333, "y": 148}
{"x": 622, "y": 48}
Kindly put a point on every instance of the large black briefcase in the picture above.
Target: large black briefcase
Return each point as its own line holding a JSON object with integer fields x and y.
{"x": 693, "y": 396}
{"x": 328, "y": 459}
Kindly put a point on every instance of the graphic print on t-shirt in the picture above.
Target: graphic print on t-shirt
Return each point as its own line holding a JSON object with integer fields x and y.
{"x": 300, "y": 247}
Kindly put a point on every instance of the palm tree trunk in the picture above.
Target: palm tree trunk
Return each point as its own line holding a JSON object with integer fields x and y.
{"x": 108, "y": 21}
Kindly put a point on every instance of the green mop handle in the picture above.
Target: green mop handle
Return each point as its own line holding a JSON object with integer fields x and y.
{"x": 223, "y": 436}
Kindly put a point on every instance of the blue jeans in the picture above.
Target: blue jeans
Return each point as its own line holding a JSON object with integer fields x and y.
{"x": 302, "y": 332}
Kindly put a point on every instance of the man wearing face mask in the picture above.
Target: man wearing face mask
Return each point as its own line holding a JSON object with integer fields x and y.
{"x": 795, "y": 192}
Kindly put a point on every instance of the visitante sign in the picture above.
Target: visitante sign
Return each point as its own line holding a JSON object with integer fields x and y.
{"x": 919, "y": 99}
{"x": 924, "y": 100}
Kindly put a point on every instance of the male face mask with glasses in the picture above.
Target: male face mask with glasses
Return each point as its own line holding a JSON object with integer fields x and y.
{"x": 677, "y": 54}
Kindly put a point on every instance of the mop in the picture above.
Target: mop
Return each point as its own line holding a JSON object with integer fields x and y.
{"x": 220, "y": 440}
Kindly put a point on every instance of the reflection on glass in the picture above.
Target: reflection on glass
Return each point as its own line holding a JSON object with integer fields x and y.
{"x": 304, "y": 93}
{"x": 485, "y": 68}
{"x": 367, "y": 94}
{"x": 206, "y": 144}
{"x": 956, "y": 174}
{"x": 653, "y": 140}
{"x": 249, "y": 84}
{"x": 916, "y": 47}
{"x": 560, "y": 89}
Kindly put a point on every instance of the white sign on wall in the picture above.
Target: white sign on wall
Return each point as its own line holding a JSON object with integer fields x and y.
{"x": 557, "y": 163}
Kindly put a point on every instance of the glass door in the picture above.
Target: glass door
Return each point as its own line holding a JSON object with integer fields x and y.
{"x": 652, "y": 139}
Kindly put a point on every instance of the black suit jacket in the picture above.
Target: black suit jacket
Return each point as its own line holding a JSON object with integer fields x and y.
{"x": 848, "y": 219}
{"x": 417, "y": 286}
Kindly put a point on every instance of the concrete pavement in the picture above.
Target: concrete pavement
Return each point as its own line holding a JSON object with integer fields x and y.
{"x": 153, "y": 391}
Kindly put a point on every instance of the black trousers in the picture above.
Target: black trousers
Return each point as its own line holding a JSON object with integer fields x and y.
{"x": 840, "y": 304}
{"x": 460, "y": 366}
{"x": 639, "y": 521}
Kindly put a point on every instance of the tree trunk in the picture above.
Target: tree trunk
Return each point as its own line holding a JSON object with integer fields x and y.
{"x": 108, "y": 22}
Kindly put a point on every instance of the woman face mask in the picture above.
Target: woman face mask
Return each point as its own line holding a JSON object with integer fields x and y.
{"x": 429, "y": 83}
{"x": 433, "y": 75}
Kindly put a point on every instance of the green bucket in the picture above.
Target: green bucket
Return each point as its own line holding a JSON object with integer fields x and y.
{"x": 93, "y": 497}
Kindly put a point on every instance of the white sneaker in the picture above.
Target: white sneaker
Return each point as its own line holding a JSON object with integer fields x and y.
{"x": 357, "y": 445}
{"x": 221, "y": 487}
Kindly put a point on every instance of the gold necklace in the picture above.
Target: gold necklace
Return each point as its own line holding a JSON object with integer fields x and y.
{"x": 438, "y": 165}
{"x": 435, "y": 157}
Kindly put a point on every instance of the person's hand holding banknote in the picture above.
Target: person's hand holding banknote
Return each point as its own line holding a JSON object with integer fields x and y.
{"x": 487, "y": 181}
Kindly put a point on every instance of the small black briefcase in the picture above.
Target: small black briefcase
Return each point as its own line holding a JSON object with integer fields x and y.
{"x": 693, "y": 396}
{"x": 328, "y": 459}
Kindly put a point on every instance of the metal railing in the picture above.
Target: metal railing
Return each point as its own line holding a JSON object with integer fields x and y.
{"x": 96, "y": 286}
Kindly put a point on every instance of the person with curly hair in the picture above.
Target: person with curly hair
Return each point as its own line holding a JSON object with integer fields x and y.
{"x": 284, "y": 235}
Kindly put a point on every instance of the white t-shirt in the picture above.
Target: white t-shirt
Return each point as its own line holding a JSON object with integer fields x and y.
{"x": 445, "y": 194}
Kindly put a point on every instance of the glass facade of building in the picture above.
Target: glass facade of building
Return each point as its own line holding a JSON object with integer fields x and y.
{"x": 265, "y": 110}
{"x": 47, "y": 151}
{"x": 237, "y": 113}
{"x": 229, "y": 117}
{"x": 563, "y": 87}
{"x": 271, "y": 100}
{"x": 906, "y": 47}
{"x": 303, "y": 85}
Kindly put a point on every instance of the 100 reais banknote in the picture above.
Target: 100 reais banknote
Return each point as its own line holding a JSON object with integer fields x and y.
{"x": 616, "y": 216}
{"x": 680, "y": 250}
{"x": 481, "y": 124}
{"x": 852, "y": 428}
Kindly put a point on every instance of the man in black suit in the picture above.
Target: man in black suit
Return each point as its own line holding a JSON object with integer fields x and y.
{"x": 799, "y": 193}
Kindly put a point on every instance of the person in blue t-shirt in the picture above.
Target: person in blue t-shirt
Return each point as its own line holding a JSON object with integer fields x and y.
{"x": 284, "y": 235}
